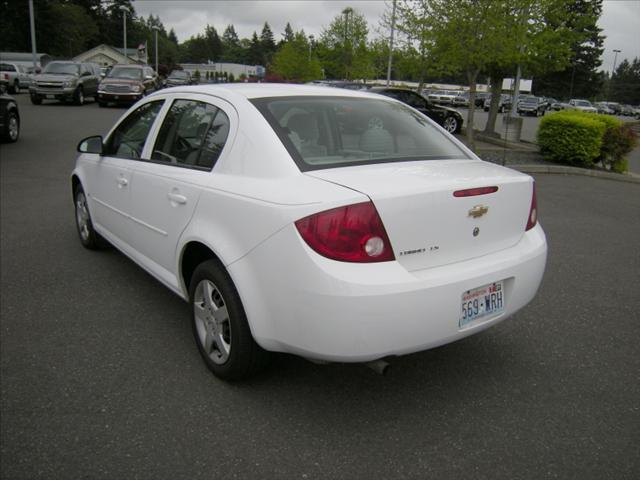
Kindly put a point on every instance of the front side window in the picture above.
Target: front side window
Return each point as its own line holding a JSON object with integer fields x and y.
{"x": 192, "y": 135}
{"x": 329, "y": 132}
{"x": 128, "y": 139}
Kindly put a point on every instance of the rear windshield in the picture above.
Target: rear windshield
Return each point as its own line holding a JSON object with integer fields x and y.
{"x": 329, "y": 132}
{"x": 178, "y": 74}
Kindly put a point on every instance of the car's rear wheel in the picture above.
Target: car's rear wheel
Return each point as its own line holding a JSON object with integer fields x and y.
{"x": 78, "y": 96}
{"x": 16, "y": 87}
{"x": 451, "y": 124}
{"x": 220, "y": 325}
{"x": 88, "y": 236}
{"x": 12, "y": 128}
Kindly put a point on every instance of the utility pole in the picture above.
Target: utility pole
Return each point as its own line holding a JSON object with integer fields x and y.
{"x": 155, "y": 28}
{"x": 125, "y": 10}
{"x": 311, "y": 38}
{"x": 32, "y": 21}
{"x": 615, "y": 58}
{"x": 393, "y": 27}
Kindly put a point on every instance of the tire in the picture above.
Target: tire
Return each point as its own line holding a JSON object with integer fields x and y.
{"x": 36, "y": 99}
{"x": 89, "y": 238}
{"x": 12, "y": 128}
{"x": 78, "y": 96}
{"x": 450, "y": 124}
{"x": 220, "y": 326}
{"x": 16, "y": 87}
{"x": 102, "y": 104}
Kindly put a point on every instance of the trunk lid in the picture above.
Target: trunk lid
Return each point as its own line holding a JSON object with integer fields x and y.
{"x": 427, "y": 225}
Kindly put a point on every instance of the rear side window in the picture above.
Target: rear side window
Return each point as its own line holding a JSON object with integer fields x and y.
{"x": 192, "y": 135}
{"x": 329, "y": 132}
{"x": 5, "y": 67}
{"x": 128, "y": 139}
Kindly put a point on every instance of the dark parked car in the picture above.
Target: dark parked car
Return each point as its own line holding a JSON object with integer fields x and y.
{"x": 178, "y": 77}
{"x": 127, "y": 84}
{"x": 65, "y": 81}
{"x": 504, "y": 105}
{"x": 9, "y": 116}
{"x": 448, "y": 118}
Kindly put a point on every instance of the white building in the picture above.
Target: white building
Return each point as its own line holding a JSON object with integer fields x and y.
{"x": 106, "y": 55}
{"x": 236, "y": 69}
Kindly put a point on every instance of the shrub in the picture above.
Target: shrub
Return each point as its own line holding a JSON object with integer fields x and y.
{"x": 571, "y": 137}
{"x": 616, "y": 143}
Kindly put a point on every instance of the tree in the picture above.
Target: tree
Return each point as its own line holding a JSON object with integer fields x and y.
{"x": 339, "y": 43}
{"x": 267, "y": 44}
{"x": 254, "y": 55}
{"x": 581, "y": 78}
{"x": 624, "y": 86}
{"x": 288, "y": 35}
{"x": 294, "y": 63}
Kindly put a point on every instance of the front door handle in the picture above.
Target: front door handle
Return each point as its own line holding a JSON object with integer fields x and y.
{"x": 122, "y": 182}
{"x": 177, "y": 198}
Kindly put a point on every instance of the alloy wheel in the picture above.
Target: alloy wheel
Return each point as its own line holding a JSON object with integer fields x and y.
{"x": 450, "y": 124}
{"x": 82, "y": 216}
{"x": 212, "y": 321}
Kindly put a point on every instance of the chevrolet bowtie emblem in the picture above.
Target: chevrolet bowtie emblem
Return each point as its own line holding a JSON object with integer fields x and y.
{"x": 478, "y": 211}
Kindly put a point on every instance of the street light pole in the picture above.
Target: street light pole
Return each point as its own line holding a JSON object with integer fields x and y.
{"x": 124, "y": 10}
{"x": 156, "y": 28}
{"x": 33, "y": 35}
{"x": 615, "y": 58}
{"x": 311, "y": 38}
{"x": 393, "y": 27}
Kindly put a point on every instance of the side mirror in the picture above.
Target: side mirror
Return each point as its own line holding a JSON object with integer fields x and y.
{"x": 91, "y": 145}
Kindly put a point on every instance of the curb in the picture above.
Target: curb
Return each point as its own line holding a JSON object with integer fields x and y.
{"x": 563, "y": 170}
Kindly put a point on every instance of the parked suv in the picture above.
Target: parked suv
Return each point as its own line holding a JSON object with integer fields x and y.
{"x": 179, "y": 77}
{"x": 582, "y": 105}
{"x": 127, "y": 84}
{"x": 15, "y": 76}
{"x": 531, "y": 105}
{"x": 66, "y": 81}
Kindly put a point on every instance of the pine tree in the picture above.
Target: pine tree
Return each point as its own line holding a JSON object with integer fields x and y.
{"x": 582, "y": 78}
{"x": 267, "y": 44}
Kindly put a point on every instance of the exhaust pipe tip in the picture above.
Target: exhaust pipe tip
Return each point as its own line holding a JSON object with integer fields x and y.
{"x": 379, "y": 366}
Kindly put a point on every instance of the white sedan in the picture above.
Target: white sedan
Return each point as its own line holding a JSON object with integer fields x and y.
{"x": 336, "y": 225}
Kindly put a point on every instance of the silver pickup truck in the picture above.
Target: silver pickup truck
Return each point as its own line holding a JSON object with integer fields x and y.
{"x": 15, "y": 76}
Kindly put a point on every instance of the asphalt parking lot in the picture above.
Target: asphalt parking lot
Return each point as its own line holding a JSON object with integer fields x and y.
{"x": 100, "y": 376}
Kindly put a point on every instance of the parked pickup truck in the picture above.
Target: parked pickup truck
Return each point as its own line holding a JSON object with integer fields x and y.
{"x": 15, "y": 76}
{"x": 66, "y": 81}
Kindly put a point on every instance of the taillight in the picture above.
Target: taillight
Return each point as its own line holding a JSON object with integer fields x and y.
{"x": 532, "y": 220}
{"x": 353, "y": 233}
{"x": 472, "y": 192}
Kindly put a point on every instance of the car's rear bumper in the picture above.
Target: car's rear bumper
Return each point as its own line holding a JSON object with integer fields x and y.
{"x": 302, "y": 303}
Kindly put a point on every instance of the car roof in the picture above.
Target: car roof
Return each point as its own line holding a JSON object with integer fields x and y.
{"x": 264, "y": 90}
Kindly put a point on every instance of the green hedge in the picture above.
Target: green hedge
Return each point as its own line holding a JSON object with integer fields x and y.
{"x": 582, "y": 139}
{"x": 573, "y": 137}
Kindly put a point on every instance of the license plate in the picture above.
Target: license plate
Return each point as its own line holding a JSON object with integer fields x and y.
{"x": 51, "y": 96}
{"x": 116, "y": 97}
{"x": 481, "y": 302}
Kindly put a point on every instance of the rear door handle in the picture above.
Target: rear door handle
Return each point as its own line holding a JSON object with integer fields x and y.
{"x": 123, "y": 182}
{"x": 177, "y": 198}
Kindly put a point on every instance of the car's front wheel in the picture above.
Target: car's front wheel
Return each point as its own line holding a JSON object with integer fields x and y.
{"x": 12, "y": 128}
{"x": 451, "y": 124}
{"x": 220, "y": 325}
{"x": 36, "y": 99}
{"x": 88, "y": 236}
{"x": 78, "y": 96}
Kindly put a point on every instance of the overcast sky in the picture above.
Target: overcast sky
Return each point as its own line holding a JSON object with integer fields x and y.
{"x": 620, "y": 20}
